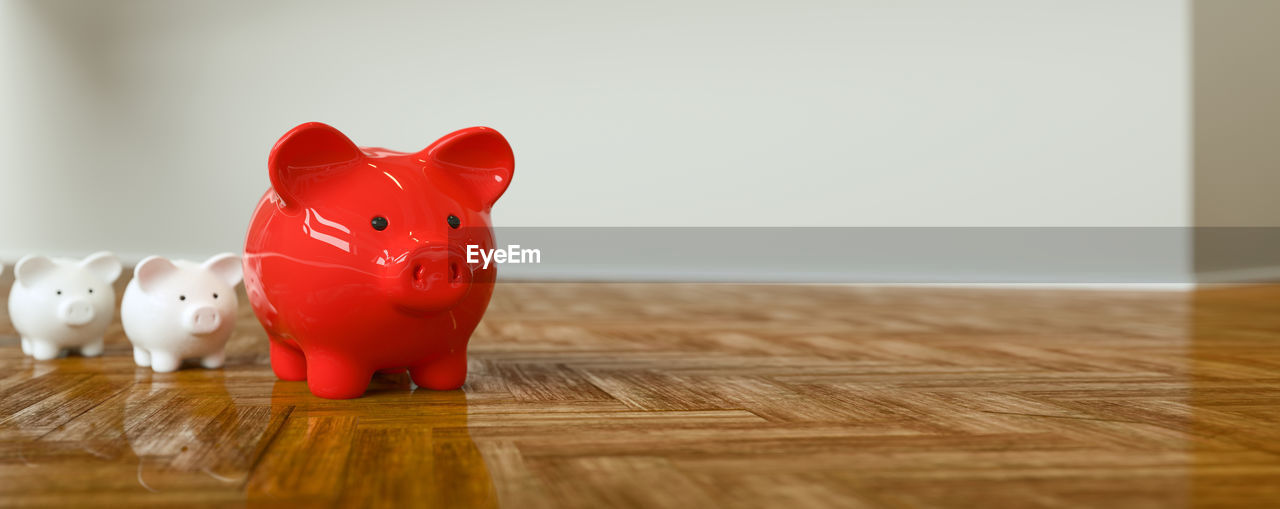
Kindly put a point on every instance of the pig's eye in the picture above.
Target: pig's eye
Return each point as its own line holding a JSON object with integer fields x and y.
{"x": 454, "y": 222}
{"x": 215, "y": 295}
{"x": 379, "y": 223}
{"x": 59, "y": 292}
{"x": 91, "y": 290}
{"x": 182, "y": 297}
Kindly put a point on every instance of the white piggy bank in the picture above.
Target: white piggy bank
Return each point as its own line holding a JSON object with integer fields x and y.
{"x": 57, "y": 304}
{"x": 178, "y": 310}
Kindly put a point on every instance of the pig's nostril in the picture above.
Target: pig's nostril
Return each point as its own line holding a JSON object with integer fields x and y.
{"x": 453, "y": 272}
{"x": 420, "y": 276}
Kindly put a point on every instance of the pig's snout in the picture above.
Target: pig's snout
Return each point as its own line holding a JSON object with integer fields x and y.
{"x": 433, "y": 279}
{"x": 436, "y": 269}
{"x": 76, "y": 312}
{"x": 201, "y": 319}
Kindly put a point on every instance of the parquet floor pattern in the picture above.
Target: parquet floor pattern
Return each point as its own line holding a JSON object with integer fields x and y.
{"x": 674, "y": 395}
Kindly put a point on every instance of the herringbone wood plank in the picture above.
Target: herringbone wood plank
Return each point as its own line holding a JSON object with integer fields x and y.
{"x": 671, "y": 395}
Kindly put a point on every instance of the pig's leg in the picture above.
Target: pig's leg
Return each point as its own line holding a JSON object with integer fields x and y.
{"x": 93, "y": 349}
{"x": 141, "y": 357}
{"x": 288, "y": 362}
{"x": 43, "y": 350}
{"x": 443, "y": 373}
{"x": 164, "y": 362}
{"x": 336, "y": 378}
{"x": 214, "y": 361}
{"x": 26, "y": 346}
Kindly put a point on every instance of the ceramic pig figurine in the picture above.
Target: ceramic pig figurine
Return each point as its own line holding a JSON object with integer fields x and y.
{"x": 355, "y": 259}
{"x": 58, "y": 304}
{"x": 179, "y": 310}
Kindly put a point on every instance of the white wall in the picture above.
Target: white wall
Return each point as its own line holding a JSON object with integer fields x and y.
{"x": 144, "y": 126}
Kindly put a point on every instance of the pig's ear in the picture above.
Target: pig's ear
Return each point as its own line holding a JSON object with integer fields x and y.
{"x": 305, "y": 155}
{"x": 479, "y": 157}
{"x": 104, "y": 264}
{"x": 31, "y": 268}
{"x": 151, "y": 271}
{"x": 226, "y": 266}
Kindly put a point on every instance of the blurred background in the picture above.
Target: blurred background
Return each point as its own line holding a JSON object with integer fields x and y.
{"x": 143, "y": 126}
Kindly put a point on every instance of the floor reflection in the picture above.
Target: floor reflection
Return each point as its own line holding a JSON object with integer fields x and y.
{"x": 233, "y": 436}
{"x": 134, "y": 432}
{"x": 178, "y": 428}
{"x": 397, "y": 444}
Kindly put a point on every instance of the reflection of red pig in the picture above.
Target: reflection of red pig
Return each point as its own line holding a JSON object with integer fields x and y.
{"x": 355, "y": 260}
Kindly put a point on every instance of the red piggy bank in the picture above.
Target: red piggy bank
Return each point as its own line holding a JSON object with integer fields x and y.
{"x": 355, "y": 259}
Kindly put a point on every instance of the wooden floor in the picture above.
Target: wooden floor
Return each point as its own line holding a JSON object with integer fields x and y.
{"x": 594, "y": 395}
